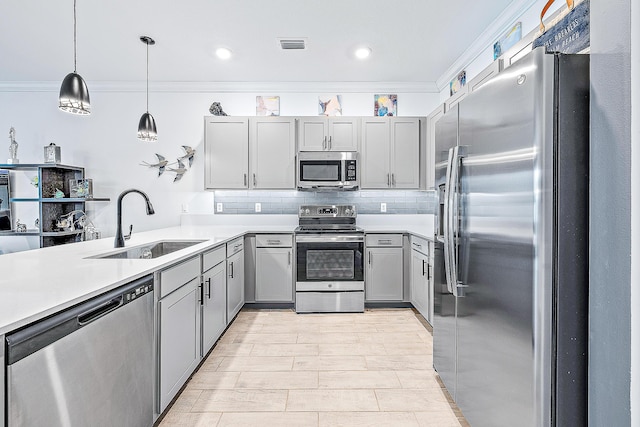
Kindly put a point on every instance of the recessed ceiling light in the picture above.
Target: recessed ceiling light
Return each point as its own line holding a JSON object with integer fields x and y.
{"x": 223, "y": 53}
{"x": 363, "y": 52}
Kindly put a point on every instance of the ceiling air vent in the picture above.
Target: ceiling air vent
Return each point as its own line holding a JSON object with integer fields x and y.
{"x": 293, "y": 43}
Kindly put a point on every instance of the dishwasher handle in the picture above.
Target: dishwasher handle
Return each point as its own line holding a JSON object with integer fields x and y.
{"x": 98, "y": 312}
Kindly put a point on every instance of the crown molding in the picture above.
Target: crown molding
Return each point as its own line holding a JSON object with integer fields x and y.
{"x": 222, "y": 87}
{"x": 487, "y": 38}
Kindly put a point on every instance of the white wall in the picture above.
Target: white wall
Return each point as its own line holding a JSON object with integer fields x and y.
{"x": 105, "y": 142}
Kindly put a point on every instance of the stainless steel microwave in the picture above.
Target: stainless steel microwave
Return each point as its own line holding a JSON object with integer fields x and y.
{"x": 330, "y": 170}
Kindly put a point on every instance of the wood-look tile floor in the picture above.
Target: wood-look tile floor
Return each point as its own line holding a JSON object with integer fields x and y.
{"x": 279, "y": 368}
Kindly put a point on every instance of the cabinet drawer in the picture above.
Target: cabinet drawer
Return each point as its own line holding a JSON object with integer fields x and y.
{"x": 274, "y": 240}
{"x": 235, "y": 246}
{"x": 213, "y": 257}
{"x": 383, "y": 240}
{"x": 174, "y": 277}
{"x": 420, "y": 244}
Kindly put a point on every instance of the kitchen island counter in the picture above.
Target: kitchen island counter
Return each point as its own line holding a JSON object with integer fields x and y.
{"x": 37, "y": 283}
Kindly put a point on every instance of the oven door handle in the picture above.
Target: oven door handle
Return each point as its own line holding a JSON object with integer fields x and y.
{"x": 324, "y": 238}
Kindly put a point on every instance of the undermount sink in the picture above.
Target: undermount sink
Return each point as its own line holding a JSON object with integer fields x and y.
{"x": 150, "y": 250}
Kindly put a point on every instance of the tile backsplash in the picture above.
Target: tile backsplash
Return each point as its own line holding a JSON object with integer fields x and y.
{"x": 287, "y": 202}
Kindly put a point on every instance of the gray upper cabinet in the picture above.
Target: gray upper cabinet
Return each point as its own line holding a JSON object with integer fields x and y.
{"x": 431, "y": 145}
{"x": 390, "y": 153}
{"x": 226, "y": 152}
{"x": 273, "y": 152}
{"x": 256, "y": 152}
{"x": 328, "y": 133}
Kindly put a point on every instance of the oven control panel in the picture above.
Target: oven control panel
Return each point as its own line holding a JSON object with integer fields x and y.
{"x": 327, "y": 211}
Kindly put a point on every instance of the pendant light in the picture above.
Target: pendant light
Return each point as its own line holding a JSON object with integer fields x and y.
{"x": 147, "y": 126}
{"x": 74, "y": 95}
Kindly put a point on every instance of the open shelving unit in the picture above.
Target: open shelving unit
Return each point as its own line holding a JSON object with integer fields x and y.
{"x": 51, "y": 177}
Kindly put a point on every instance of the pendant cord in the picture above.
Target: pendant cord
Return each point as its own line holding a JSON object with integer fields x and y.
{"x": 147, "y": 77}
{"x": 74, "y": 36}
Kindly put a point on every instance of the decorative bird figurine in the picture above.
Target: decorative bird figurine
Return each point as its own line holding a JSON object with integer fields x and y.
{"x": 189, "y": 153}
{"x": 161, "y": 165}
{"x": 180, "y": 170}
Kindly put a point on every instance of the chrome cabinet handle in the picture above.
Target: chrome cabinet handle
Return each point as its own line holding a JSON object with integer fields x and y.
{"x": 245, "y": 179}
{"x": 254, "y": 180}
{"x": 201, "y": 293}
{"x": 384, "y": 241}
{"x": 231, "y": 273}
{"x": 209, "y": 287}
{"x": 289, "y": 258}
{"x": 369, "y": 257}
{"x": 393, "y": 179}
{"x": 388, "y": 180}
{"x": 324, "y": 143}
{"x": 329, "y": 143}
{"x": 423, "y": 263}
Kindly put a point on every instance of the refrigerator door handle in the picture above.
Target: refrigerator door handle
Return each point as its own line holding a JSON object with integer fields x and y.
{"x": 447, "y": 221}
{"x": 455, "y": 157}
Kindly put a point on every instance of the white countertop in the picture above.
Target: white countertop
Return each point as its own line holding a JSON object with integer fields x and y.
{"x": 40, "y": 282}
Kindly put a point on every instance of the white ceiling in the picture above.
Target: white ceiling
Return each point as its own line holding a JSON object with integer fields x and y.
{"x": 413, "y": 41}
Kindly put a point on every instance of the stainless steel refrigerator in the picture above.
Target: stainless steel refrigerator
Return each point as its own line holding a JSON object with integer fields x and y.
{"x": 511, "y": 259}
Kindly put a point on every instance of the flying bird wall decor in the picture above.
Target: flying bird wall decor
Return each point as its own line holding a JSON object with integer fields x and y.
{"x": 163, "y": 164}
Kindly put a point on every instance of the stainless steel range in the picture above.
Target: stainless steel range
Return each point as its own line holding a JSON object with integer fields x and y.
{"x": 329, "y": 260}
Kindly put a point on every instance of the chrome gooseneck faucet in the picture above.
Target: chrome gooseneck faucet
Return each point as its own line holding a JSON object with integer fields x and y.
{"x": 119, "y": 242}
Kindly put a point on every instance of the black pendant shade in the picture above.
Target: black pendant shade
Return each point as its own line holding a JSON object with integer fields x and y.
{"x": 74, "y": 95}
{"x": 147, "y": 128}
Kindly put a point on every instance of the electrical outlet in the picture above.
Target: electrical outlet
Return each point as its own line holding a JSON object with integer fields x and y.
{"x": 258, "y": 207}
{"x": 185, "y": 208}
{"x": 383, "y": 207}
{"x": 218, "y": 207}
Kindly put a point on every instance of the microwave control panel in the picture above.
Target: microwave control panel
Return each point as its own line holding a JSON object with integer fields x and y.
{"x": 351, "y": 174}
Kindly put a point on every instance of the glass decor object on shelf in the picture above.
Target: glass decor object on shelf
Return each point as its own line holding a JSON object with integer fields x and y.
{"x": 81, "y": 188}
{"x": 74, "y": 94}
{"x": 147, "y": 127}
{"x": 13, "y": 148}
{"x": 52, "y": 153}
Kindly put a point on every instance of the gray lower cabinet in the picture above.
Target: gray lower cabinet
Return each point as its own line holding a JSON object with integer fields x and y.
{"x": 179, "y": 327}
{"x": 235, "y": 277}
{"x": 214, "y": 302}
{"x": 422, "y": 277}
{"x": 274, "y": 268}
{"x": 384, "y": 267}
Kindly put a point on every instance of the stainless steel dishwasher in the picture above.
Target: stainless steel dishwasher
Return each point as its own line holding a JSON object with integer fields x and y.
{"x": 89, "y": 365}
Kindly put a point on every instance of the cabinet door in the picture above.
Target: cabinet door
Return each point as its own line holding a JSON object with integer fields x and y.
{"x": 431, "y": 145}
{"x": 274, "y": 275}
{"x": 235, "y": 284}
{"x": 214, "y": 305}
{"x": 374, "y": 159}
{"x": 226, "y": 152}
{"x": 343, "y": 134}
{"x": 384, "y": 274}
{"x": 179, "y": 339}
{"x": 420, "y": 283}
{"x": 273, "y": 153}
{"x": 313, "y": 134}
{"x": 405, "y": 153}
